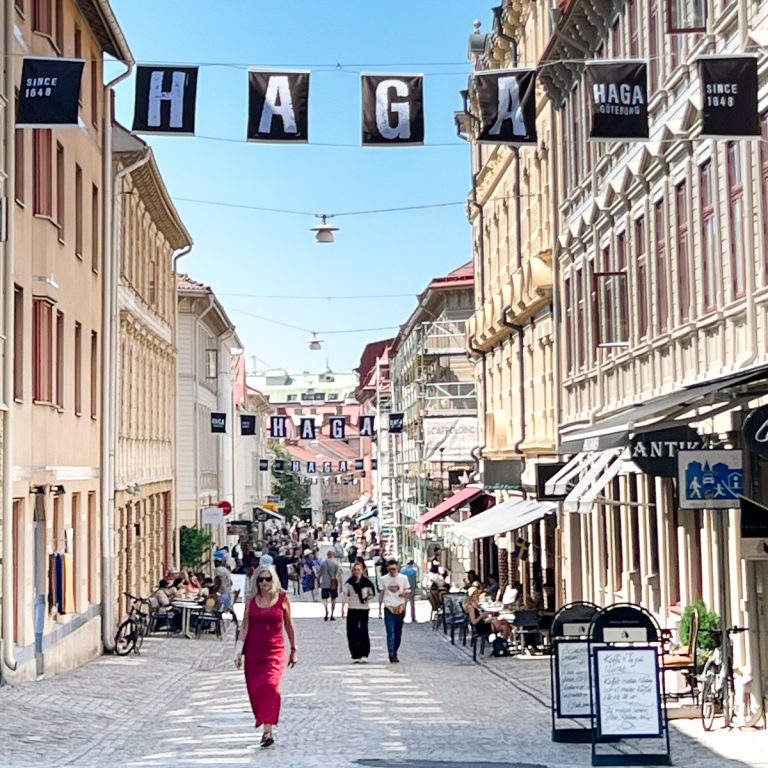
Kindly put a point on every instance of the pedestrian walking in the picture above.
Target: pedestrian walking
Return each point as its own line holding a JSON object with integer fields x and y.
{"x": 262, "y": 642}
{"x": 356, "y": 597}
{"x": 330, "y": 577}
{"x": 309, "y": 566}
{"x": 411, "y": 572}
{"x": 393, "y": 596}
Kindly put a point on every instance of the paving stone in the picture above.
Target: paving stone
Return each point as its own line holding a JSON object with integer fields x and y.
{"x": 182, "y": 703}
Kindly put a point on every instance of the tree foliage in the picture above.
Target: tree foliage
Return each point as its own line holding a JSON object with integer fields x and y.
{"x": 708, "y": 620}
{"x": 287, "y": 485}
{"x": 194, "y": 544}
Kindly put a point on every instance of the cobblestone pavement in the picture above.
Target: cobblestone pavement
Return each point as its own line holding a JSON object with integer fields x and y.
{"x": 182, "y": 704}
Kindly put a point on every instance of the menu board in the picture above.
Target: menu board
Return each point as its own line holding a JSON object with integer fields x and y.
{"x": 572, "y": 670}
{"x": 627, "y": 692}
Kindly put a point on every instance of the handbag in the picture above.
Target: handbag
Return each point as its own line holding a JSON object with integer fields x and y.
{"x": 335, "y": 585}
{"x": 398, "y": 610}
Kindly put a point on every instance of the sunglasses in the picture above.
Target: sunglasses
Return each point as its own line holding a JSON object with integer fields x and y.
{"x": 263, "y": 578}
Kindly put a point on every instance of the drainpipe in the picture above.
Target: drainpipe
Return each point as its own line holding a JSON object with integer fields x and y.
{"x": 477, "y": 451}
{"x": 554, "y": 213}
{"x": 8, "y": 290}
{"x": 520, "y": 331}
{"x": 175, "y": 419}
{"x": 109, "y": 376}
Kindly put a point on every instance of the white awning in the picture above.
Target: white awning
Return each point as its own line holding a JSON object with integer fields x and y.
{"x": 353, "y": 509}
{"x": 507, "y": 516}
{"x": 557, "y": 485}
{"x": 600, "y": 469}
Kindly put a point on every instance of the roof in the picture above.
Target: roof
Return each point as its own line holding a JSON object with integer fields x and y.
{"x": 148, "y": 181}
{"x": 187, "y": 285}
{"x": 102, "y": 21}
{"x": 367, "y": 368}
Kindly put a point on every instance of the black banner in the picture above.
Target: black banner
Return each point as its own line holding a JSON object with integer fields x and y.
{"x": 277, "y": 426}
{"x": 338, "y": 425}
{"x": 367, "y": 426}
{"x": 393, "y": 110}
{"x": 618, "y": 98}
{"x": 278, "y": 106}
{"x": 247, "y": 425}
{"x": 327, "y": 467}
{"x": 278, "y": 465}
{"x": 343, "y": 466}
{"x": 396, "y": 422}
{"x": 295, "y": 466}
{"x": 165, "y": 100}
{"x": 311, "y": 467}
{"x": 729, "y": 96}
{"x": 507, "y": 100}
{"x": 307, "y": 430}
{"x": 755, "y": 431}
{"x": 218, "y": 422}
{"x": 263, "y": 465}
{"x": 359, "y": 463}
{"x": 49, "y": 92}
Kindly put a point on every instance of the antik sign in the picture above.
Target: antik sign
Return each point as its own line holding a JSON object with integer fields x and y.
{"x": 656, "y": 452}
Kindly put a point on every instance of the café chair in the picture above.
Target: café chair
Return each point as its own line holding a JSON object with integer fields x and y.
{"x": 436, "y": 606}
{"x": 685, "y": 660}
{"x": 454, "y": 617}
{"x": 525, "y": 626}
{"x": 209, "y": 618}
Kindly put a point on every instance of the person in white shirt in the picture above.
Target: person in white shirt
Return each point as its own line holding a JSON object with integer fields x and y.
{"x": 394, "y": 594}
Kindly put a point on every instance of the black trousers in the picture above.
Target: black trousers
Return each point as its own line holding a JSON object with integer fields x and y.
{"x": 357, "y": 634}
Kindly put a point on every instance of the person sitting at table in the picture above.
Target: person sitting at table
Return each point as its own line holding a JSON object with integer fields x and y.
{"x": 176, "y": 590}
{"x": 470, "y": 579}
{"x": 483, "y": 623}
{"x": 492, "y": 586}
{"x": 513, "y": 595}
{"x": 207, "y": 588}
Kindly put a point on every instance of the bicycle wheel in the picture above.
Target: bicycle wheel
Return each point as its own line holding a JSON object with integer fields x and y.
{"x": 709, "y": 703}
{"x": 125, "y": 637}
{"x": 140, "y": 634}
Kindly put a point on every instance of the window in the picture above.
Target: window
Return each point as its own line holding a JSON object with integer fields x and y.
{"x": 736, "y": 218}
{"x": 611, "y": 298}
{"x": 211, "y": 363}
{"x": 764, "y": 176}
{"x": 58, "y": 525}
{"x": 42, "y": 351}
{"x": 93, "y": 549}
{"x": 58, "y": 36}
{"x": 683, "y": 252}
{"x": 152, "y": 283}
{"x": 42, "y": 171}
{"x": 59, "y": 359}
{"x": 19, "y": 158}
{"x": 94, "y": 90}
{"x": 95, "y": 228}
{"x": 653, "y": 46}
{"x": 94, "y": 374}
{"x": 60, "y": 190}
{"x": 580, "y": 340}
{"x": 616, "y": 48}
{"x": 662, "y": 300}
{"x": 18, "y": 342}
{"x": 642, "y": 278}
{"x": 42, "y": 13}
{"x": 634, "y": 28}
{"x": 291, "y": 398}
{"x": 78, "y": 395}
{"x": 568, "y": 326}
{"x": 20, "y": 6}
{"x": 708, "y": 237}
{"x": 79, "y": 211}
{"x": 77, "y": 554}
{"x": 686, "y": 16}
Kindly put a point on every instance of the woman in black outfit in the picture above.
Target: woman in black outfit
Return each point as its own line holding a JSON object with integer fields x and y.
{"x": 356, "y": 596}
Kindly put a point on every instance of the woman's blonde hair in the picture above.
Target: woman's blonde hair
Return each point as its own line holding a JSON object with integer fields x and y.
{"x": 274, "y": 585}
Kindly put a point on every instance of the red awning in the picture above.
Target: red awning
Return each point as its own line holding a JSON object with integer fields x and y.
{"x": 444, "y": 508}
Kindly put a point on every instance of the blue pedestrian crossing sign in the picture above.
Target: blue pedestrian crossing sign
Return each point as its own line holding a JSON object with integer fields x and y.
{"x": 710, "y": 479}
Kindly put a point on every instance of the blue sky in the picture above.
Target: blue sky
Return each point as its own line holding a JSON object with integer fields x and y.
{"x": 241, "y": 251}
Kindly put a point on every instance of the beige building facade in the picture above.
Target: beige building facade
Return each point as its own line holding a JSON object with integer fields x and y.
{"x": 510, "y": 335}
{"x": 675, "y": 336}
{"x": 150, "y": 238}
{"x": 52, "y": 509}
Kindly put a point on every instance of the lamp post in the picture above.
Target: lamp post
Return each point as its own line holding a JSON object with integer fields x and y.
{"x": 442, "y": 482}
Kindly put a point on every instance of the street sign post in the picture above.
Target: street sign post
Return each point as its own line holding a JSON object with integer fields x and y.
{"x": 710, "y": 479}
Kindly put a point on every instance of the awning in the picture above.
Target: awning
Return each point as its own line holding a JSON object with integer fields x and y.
{"x": 591, "y": 472}
{"x": 507, "y": 516}
{"x": 613, "y": 431}
{"x": 353, "y": 509}
{"x": 464, "y": 496}
{"x": 270, "y": 515}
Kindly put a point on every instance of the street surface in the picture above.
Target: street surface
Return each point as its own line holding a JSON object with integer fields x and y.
{"x": 181, "y": 703}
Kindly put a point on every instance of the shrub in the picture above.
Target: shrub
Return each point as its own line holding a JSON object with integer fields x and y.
{"x": 708, "y": 620}
{"x": 193, "y": 544}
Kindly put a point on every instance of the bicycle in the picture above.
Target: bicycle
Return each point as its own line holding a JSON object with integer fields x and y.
{"x": 135, "y": 627}
{"x": 717, "y": 688}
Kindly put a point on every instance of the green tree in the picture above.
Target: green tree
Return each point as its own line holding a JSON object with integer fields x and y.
{"x": 194, "y": 544}
{"x": 287, "y": 485}
{"x": 708, "y": 620}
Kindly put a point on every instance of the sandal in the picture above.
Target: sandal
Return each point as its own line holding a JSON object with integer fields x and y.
{"x": 267, "y": 741}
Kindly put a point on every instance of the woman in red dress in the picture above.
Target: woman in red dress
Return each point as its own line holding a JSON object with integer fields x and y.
{"x": 261, "y": 641}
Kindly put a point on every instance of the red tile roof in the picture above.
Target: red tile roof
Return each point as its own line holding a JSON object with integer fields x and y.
{"x": 186, "y": 283}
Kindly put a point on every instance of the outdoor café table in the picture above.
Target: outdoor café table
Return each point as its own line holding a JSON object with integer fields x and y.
{"x": 186, "y": 607}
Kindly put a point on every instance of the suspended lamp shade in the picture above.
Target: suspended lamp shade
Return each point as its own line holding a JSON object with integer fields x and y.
{"x": 315, "y": 343}
{"x": 324, "y": 232}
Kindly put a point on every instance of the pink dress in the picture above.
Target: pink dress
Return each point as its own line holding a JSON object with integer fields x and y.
{"x": 264, "y": 652}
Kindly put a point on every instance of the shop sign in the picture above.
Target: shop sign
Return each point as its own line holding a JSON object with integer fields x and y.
{"x": 656, "y": 452}
{"x": 754, "y": 530}
{"x": 755, "y": 431}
